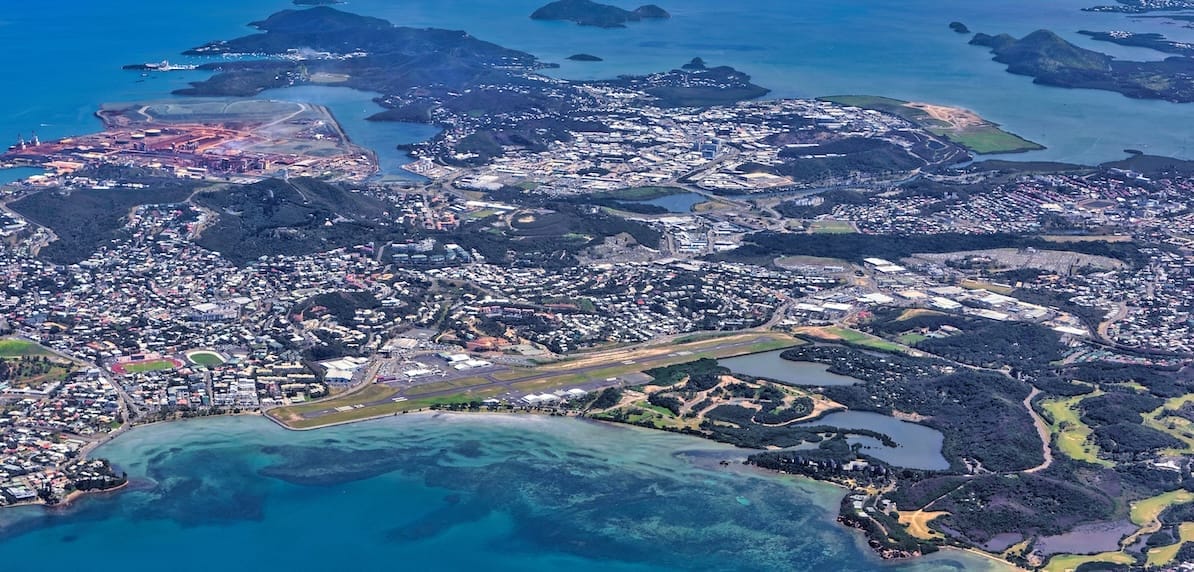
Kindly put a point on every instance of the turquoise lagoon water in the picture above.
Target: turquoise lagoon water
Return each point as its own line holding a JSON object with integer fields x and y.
{"x": 446, "y": 492}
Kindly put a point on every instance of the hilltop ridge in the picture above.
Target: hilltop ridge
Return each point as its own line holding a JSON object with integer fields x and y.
{"x": 1051, "y": 60}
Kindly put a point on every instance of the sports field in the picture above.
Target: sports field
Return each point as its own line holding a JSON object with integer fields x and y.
{"x": 16, "y": 347}
{"x": 144, "y": 366}
{"x": 205, "y": 358}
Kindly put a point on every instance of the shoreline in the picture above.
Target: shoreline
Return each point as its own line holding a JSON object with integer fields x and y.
{"x": 67, "y": 501}
{"x": 742, "y": 468}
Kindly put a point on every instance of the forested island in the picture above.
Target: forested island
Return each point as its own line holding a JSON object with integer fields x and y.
{"x": 584, "y": 58}
{"x": 1051, "y": 60}
{"x": 383, "y": 57}
{"x": 443, "y": 77}
{"x": 589, "y": 13}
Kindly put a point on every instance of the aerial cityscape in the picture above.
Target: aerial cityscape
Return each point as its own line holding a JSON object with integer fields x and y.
{"x": 659, "y": 292}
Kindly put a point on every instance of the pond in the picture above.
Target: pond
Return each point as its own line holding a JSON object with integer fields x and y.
{"x": 771, "y": 366}
{"x": 677, "y": 203}
{"x": 917, "y": 446}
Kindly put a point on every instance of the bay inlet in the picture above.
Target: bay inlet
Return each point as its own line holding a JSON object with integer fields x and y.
{"x": 494, "y": 492}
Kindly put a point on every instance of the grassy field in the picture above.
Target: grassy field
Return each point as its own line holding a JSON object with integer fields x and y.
{"x": 917, "y": 312}
{"x": 383, "y": 409}
{"x": 483, "y": 213}
{"x": 707, "y": 206}
{"x": 1091, "y": 238}
{"x": 370, "y": 393}
{"x": 657, "y": 417}
{"x": 982, "y": 136}
{"x": 986, "y": 139}
{"x": 147, "y": 366}
{"x": 1069, "y": 562}
{"x": 1164, "y": 555}
{"x": 16, "y": 347}
{"x": 206, "y": 359}
{"x": 880, "y": 103}
{"x": 853, "y": 337}
{"x": 911, "y": 339}
{"x": 641, "y": 193}
{"x": 58, "y": 371}
{"x": 1073, "y": 436}
{"x": 1146, "y": 511}
{"x": 918, "y": 521}
{"x": 831, "y": 227}
{"x": 463, "y": 384}
{"x": 989, "y": 286}
{"x": 1180, "y": 428}
{"x": 1017, "y": 549}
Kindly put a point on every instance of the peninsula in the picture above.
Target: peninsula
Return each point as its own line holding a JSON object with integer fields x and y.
{"x": 1143, "y": 6}
{"x": 589, "y": 13}
{"x": 1051, "y": 60}
{"x": 960, "y": 126}
{"x": 1152, "y": 41}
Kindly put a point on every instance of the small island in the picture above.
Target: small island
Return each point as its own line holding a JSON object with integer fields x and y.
{"x": 959, "y": 27}
{"x": 589, "y": 13}
{"x": 584, "y": 58}
{"x": 317, "y": 2}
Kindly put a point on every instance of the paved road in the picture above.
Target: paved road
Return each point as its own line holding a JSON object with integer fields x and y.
{"x": 1042, "y": 429}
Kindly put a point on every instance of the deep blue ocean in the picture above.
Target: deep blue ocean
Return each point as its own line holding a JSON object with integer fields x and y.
{"x": 494, "y": 493}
